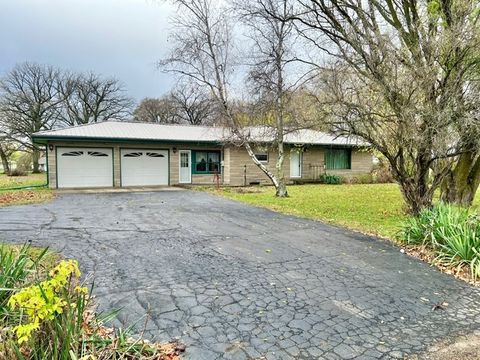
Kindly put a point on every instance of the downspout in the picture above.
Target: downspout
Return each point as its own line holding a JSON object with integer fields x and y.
{"x": 47, "y": 167}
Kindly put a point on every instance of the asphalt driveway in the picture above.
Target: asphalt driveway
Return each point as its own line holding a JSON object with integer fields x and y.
{"x": 234, "y": 281}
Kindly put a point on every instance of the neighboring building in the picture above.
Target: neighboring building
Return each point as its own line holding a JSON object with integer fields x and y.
{"x": 122, "y": 154}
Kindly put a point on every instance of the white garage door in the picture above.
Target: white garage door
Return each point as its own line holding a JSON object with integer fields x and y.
{"x": 144, "y": 167}
{"x": 84, "y": 167}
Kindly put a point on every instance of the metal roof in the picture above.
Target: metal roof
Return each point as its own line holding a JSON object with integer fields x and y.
{"x": 116, "y": 130}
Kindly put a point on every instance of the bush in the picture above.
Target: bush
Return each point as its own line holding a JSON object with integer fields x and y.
{"x": 24, "y": 162}
{"x": 361, "y": 179}
{"x": 18, "y": 172}
{"x": 453, "y": 233}
{"x": 382, "y": 173}
{"x": 50, "y": 316}
{"x": 331, "y": 179}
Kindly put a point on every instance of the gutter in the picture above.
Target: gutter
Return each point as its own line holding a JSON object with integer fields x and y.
{"x": 39, "y": 139}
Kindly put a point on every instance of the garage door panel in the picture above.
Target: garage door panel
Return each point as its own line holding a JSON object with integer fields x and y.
{"x": 144, "y": 167}
{"x": 84, "y": 167}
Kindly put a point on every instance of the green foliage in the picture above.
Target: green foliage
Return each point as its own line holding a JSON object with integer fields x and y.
{"x": 331, "y": 179}
{"x": 452, "y": 232}
{"x": 48, "y": 314}
{"x": 43, "y": 302}
{"x": 17, "y": 266}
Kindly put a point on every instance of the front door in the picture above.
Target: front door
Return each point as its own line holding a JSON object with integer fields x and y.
{"x": 185, "y": 167}
{"x": 295, "y": 163}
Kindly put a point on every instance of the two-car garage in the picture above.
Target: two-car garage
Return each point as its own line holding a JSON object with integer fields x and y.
{"x": 83, "y": 167}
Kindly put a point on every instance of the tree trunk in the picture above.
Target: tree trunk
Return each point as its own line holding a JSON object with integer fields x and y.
{"x": 5, "y": 162}
{"x": 461, "y": 184}
{"x": 35, "y": 158}
{"x": 281, "y": 189}
{"x": 417, "y": 195}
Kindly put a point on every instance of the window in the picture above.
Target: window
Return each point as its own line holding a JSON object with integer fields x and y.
{"x": 154, "y": 154}
{"x": 262, "y": 157}
{"x": 133, "y": 154}
{"x": 184, "y": 160}
{"x": 206, "y": 162}
{"x": 337, "y": 159}
{"x": 97, "y": 153}
{"x": 73, "y": 153}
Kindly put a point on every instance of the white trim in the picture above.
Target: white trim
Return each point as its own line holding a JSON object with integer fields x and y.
{"x": 189, "y": 152}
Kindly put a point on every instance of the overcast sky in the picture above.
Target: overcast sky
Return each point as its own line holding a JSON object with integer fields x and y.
{"x": 119, "y": 38}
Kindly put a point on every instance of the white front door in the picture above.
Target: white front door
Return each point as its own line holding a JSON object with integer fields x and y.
{"x": 185, "y": 176}
{"x": 144, "y": 167}
{"x": 84, "y": 167}
{"x": 295, "y": 164}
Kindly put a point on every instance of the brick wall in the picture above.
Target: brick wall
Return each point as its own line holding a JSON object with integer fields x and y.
{"x": 243, "y": 171}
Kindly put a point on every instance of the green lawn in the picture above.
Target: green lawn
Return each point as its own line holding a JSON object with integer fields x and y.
{"x": 370, "y": 208}
{"x": 7, "y": 182}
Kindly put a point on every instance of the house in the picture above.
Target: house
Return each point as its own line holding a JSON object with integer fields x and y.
{"x": 123, "y": 154}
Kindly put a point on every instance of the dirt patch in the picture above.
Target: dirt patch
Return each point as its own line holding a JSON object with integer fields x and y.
{"x": 462, "y": 348}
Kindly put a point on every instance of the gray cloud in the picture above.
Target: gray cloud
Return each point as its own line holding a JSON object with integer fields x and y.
{"x": 119, "y": 38}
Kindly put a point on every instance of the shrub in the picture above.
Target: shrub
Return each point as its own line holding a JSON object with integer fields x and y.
{"x": 382, "y": 173}
{"x": 361, "y": 179}
{"x": 24, "y": 162}
{"x": 52, "y": 317}
{"x": 453, "y": 233}
{"x": 18, "y": 172}
{"x": 331, "y": 179}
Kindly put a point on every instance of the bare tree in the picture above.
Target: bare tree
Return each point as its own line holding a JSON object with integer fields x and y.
{"x": 160, "y": 111}
{"x": 194, "y": 106}
{"x": 398, "y": 79}
{"x": 30, "y": 101}
{"x": 90, "y": 99}
{"x": 274, "y": 68}
{"x": 202, "y": 54}
{"x": 7, "y": 149}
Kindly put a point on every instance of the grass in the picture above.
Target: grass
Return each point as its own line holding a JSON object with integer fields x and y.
{"x": 8, "y": 182}
{"x": 375, "y": 209}
{"x": 23, "y": 196}
{"x": 370, "y": 208}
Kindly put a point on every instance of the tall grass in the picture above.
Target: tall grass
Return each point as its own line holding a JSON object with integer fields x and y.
{"x": 17, "y": 267}
{"x": 453, "y": 233}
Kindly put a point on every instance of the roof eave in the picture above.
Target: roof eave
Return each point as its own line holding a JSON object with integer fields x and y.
{"x": 44, "y": 139}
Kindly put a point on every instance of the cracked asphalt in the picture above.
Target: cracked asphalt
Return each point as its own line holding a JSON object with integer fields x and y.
{"x": 238, "y": 282}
